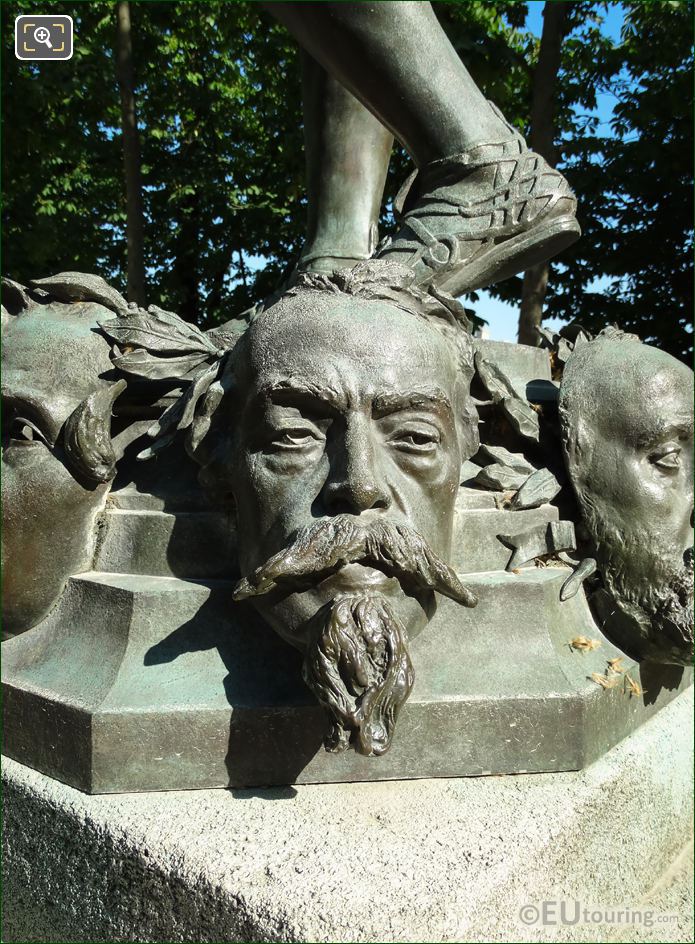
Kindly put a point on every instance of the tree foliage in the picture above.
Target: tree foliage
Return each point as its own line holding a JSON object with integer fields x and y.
{"x": 218, "y": 94}
{"x": 62, "y": 179}
{"x": 633, "y": 176}
{"x": 635, "y": 186}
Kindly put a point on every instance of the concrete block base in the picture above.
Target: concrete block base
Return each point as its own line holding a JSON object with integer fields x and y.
{"x": 427, "y": 860}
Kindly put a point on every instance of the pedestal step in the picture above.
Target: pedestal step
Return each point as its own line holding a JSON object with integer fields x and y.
{"x": 202, "y": 544}
{"x": 476, "y": 547}
{"x": 430, "y": 860}
{"x": 100, "y": 697}
{"x": 187, "y": 544}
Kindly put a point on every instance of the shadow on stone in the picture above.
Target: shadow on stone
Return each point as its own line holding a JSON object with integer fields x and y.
{"x": 275, "y": 727}
{"x": 655, "y": 677}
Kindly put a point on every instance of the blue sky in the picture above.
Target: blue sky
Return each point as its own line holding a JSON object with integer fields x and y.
{"x": 503, "y": 318}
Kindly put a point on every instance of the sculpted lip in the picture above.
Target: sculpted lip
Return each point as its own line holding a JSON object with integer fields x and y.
{"x": 358, "y": 577}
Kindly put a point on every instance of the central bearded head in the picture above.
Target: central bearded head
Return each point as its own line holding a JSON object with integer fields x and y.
{"x": 338, "y": 424}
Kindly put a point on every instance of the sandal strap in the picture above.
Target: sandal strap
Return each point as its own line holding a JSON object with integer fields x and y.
{"x": 517, "y": 191}
{"x": 412, "y": 186}
{"x": 437, "y": 251}
{"x": 532, "y": 191}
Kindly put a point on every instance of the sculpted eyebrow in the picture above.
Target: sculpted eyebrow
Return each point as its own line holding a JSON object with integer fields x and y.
{"x": 290, "y": 391}
{"x": 30, "y": 408}
{"x": 386, "y": 403}
{"x": 665, "y": 430}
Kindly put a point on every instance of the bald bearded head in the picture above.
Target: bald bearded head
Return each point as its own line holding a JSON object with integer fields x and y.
{"x": 626, "y": 411}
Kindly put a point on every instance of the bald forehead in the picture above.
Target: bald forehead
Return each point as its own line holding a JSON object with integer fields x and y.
{"x": 629, "y": 389}
{"x": 301, "y": 331}
{"x": 55, "y": 352}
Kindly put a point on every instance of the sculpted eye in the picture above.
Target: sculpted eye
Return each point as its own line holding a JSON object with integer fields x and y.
{"x": 294, "y": 438}
{"x": 667, "y": 457}
{"x": 23, "y": 432}
{"x": 418, "y": 440}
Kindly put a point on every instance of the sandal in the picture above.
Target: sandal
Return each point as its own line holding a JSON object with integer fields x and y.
{"x": 481, "y": 216}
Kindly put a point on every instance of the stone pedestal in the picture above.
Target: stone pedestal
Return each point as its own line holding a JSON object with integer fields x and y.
{"x": 421, "y": 860}
{"x": 96, "y": 697}
{"x": 147, "y": 676}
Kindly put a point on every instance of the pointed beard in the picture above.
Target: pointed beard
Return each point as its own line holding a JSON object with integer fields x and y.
{"x": 661, "y": 602}
{"x": 357, "y": 664}
{"x": 668, "y": 606}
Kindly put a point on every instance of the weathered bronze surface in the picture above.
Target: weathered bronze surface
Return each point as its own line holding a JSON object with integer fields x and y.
{"x": 626, "y": 411}
{"x": 57, "y": 455}
{"x": 343, "y": 458}
{"x": 148, "y": 675}
{"x": 141, "y": 682}
{"x": 410, "y": 509}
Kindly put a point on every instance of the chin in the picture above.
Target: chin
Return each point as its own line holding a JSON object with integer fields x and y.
{"x": 288, "y": 614}
{"x": 19, "y": 616}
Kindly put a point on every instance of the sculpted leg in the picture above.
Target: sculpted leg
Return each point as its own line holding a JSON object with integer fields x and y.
{"x": 347, "y": 156}
{"x": 396, "y": 59}
{"x": 482, "y": 206}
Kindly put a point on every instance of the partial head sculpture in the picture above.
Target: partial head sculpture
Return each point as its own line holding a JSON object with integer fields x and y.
{"x": 339, "y": 425}
{"x": 626, "y": 411}
{"x": 57, "y": 454}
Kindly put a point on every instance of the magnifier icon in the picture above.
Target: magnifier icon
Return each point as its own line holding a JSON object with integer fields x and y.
{"x": 43, "y": 35}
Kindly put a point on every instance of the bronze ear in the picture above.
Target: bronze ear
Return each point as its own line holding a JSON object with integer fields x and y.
{"x": 87, "y": 435}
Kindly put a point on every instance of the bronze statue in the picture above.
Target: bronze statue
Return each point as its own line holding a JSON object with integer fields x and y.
{"x": 480, "y": 207}
{"x": 338, "y": 424}
{"x": 58, "y": 460}
{"x": 336, "y": 421}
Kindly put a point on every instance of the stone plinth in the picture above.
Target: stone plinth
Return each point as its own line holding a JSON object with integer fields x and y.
{"x": 99, "y": 697}
{"x": 427, "y": 860}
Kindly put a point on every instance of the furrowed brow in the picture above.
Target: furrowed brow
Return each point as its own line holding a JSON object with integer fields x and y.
{"x": 436, "y": 400}
{"x": 294, "y": 391}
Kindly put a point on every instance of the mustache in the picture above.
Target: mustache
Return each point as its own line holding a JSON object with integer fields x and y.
{"x": 322, "y": 549}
